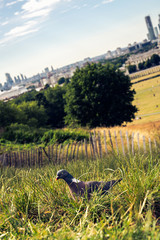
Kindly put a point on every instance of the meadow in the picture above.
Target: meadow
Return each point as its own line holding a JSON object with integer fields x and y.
{"x": 147, "y": 98}
{"x": 33, "y": 205}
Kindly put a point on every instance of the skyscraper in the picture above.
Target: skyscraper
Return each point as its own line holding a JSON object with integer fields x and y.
{"x": 151, "y": 33}
{"x": 159, "y": 22}
{"x": 9, "y": 79}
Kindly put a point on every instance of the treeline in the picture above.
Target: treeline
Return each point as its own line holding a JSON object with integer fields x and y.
{"x": 153, "y": 61}
{"x": 96, "y": 95}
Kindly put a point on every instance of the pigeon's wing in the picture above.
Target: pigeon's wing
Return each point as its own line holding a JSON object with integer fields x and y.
{"x": 93, "y": 186}
{"x": 77, "y": 189}
{"x": 87, "y": 188}
{"x": 109, "y": 184}
{"x": 100, "y": 186}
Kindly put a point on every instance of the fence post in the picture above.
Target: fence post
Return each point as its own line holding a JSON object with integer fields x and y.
{"x": 105, "y": 141}
{"x": 85, "y": 145}
{"x": 122, "y": 143}
{"x": 133, "y": 143}
{"x": 144, "y": 144}
{"x": 95, "y": 143}
{"x": 74, "y": 150}
{"x": 128, "y": 147}
{"x": 110, "y": 137}
{"x": 70, "y": 155}
{"x": 67, "y": 152}
{"x": 150, "y": 145}
{"x": 100, "y": 145}
{"x": 29, "y": 164}
{"x": 39, "y": 162}
{"x": 47, "y": 154}
{"x": 92, "y": 146}
{"x": 138, "y": 142}
{"x": 155, "y": 144}
{"x": 77, "y": 150}
{"x": 56, "y": 152}
{"x": 116, "y": 142}
{"x": 59, "y": 154}
{"x": 82, "y": 148}
{"x": 63, "y": 147}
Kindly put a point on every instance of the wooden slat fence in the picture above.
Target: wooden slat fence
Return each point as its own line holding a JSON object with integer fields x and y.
{"x": 99, "y": 145}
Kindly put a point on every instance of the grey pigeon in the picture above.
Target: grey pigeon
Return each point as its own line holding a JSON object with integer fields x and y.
{"x": 80, "y": 188}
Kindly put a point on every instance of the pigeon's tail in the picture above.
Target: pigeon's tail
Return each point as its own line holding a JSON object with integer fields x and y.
{"x": 114, "y": 182}
{"x": 119, "y": 180}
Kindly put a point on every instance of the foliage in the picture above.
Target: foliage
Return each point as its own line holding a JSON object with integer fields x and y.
{"x": 55, "y": 106}
{"x": 153, "y": 61}
{"x": 99, "y": 96}
{"x": 132, "y": 68}
{"x": 7, "y": 114}
{"x": 35, "y": 206}
{"x": 116, "y": 61}
{"x": 21, "y": 133}
{"x": 61, "y": 136}
{"x": 33, "y": 114}
{"x": 25, "y": 97}
{"x": 63, "y": 80}
{"x": 141, "y": 66}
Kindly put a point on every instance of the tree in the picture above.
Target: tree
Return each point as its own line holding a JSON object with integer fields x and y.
{"x": 148, "y": 64}
{"x": 55, "y": 107}
{"x": 99, "y": 96}
{"x": 155, "y": 59}
{"x": 141, "y": 65}
{"x": 7, "y": 114}
{"x": 34, "y": 115}
{"x": 132, "y": 68}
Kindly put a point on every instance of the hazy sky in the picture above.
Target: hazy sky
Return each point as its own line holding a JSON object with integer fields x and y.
{"x": 35, "y": 34}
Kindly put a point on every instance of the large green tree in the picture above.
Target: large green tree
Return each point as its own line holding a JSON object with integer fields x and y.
{"x": 99, "y": 95}
{"x": 54, "y": 105}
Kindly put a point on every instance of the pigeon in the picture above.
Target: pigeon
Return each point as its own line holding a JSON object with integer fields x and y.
{"x": 80, "y": 188}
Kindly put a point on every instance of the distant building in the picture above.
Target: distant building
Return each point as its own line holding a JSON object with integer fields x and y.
{"x": 119, "y": 51}
{"x": 151, "y": 34}
{"x": 22, "y": 77}
{"x": 9, "y": 79}
{"x": 158, "y": 43}
{"x": 156, "y": 32}
{"x": 109, "y": 54}
{"x": 141, "y": 57}
{"x": 159, "y": 22}
{"x": 52, "y": 69}
{"x": 46, "y": 70}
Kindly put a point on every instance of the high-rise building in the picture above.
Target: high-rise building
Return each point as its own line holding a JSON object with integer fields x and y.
{"x": 9, "y": 79}
{"x": 156, "y": 32}
{"x": 159, "y": 22}
{"x": 150, "y": 28}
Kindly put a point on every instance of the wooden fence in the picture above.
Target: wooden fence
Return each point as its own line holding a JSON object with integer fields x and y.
{"x": 98, "y": 145}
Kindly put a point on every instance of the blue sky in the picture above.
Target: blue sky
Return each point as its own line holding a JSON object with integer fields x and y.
{"x": 35, "y": 34}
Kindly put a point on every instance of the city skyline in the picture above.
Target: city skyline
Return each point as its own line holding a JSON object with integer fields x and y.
{"x": 38, "y": 34}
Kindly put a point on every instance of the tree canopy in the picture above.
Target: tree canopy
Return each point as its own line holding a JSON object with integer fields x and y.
{"x": 99, "y": 95}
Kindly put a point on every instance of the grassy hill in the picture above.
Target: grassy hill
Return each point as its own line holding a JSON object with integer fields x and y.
{"x": 147, "y": 98}
{"x": 35, "y": 206}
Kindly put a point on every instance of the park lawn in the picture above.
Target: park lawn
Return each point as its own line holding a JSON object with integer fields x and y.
{"x": 147, "y": 100}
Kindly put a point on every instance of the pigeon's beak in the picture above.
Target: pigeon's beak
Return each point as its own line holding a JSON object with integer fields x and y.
{"x": 57, "y": 178}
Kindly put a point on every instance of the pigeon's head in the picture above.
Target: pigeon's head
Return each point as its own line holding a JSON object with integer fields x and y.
{"x": 63, "y": 174}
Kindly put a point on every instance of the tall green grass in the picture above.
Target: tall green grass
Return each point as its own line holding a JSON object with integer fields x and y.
{"x": 35, "y": 206}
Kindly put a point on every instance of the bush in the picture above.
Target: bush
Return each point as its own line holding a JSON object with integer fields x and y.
{"x": 61, "y": 136}
{"x": 22, "y": 133}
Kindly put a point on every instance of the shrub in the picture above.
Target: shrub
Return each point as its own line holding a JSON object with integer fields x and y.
{"x": 22, "y": 133}
{"x": 61, "y": 136}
